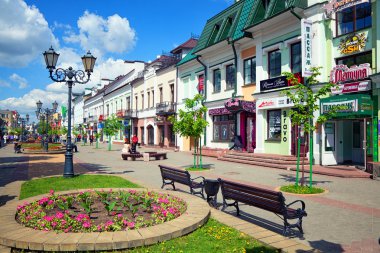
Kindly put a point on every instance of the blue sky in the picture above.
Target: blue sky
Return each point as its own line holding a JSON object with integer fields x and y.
{"x": 114, "y": 30}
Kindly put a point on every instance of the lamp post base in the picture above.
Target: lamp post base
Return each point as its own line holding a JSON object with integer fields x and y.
{"x": 69, "y": 167}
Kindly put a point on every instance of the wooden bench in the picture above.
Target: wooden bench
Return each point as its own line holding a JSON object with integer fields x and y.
{"x": 132, "y": 156}
{"x": 171, "y": 175}
{"x": 272, "y": 201}
{"x": 158, "y": 156}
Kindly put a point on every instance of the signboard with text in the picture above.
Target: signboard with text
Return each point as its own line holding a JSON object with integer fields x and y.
{"x": 273, "y": 83}
{"x": 351, "y": 87}
{"x": 306, "y": 53}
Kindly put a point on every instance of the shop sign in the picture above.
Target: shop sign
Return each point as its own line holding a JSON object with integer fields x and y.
{"x": 338, "y": 5}
{"x": 126, "y": 122}
{"x": 101, "y": 117}
{"x": 273, "y": 83}
{"x": 271, "y": 103}
{"x": 353, "y": 43}
{"x": 233, "y": 105}
{"x": 306, "y": 52}
{"x": 200, "y": 86}
{"x": 341, "y": 73}
{"x": 348, "y": 105}
{"x": 100, "y": 125}
{"x": 351, "y": 87}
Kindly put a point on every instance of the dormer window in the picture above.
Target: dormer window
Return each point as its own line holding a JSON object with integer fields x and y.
{"x": 227, "y": 27}
{"x": 214, "y": 34}
{"x": 265, "y": 4}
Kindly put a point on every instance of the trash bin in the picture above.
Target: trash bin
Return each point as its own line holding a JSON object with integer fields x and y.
{"x": 211, "y": 187}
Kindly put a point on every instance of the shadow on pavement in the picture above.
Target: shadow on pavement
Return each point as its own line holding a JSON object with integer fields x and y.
{"x": 5, "y": 198}
{"x": 326, "y": 246}
{"x": 292, "y": 179}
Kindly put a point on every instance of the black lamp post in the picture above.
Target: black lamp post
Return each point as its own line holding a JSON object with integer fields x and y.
{"x": 46, "y": 112}
{"x": 23, "y": 121}
{"x": 70, "y": 77}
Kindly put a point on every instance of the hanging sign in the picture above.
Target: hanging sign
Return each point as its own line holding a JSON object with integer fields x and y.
{"x": 306, "y": 36}
{"x": 274, "y": 83}
{"x": 353, "y": 43}
{"x": 341, "y": 73}
{"x": 200, "y": 86}
{"x": 351, "y": 87}
{"x": 233, "y": 105}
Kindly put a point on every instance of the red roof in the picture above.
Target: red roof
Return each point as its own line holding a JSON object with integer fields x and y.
{"x": 190, "y": 43}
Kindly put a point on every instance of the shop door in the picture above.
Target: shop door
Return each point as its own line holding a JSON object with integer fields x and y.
{"x": 150, "y": 130}
{"x": 142, "y": 135}
{"x": 329, "y": 146}
{"x": 303, "y": 147}
{"x": 357, "y": 142}
{"x": 161, "y": 131}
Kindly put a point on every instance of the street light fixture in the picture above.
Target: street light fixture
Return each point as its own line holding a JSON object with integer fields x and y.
{"x": 46, "y": 112}
{"x": 22, "y": 121}
{"x": 70, "y": 77}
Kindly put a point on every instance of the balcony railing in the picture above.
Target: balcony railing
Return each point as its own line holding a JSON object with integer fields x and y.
{"x": 129, "y": 114}
{"x": 165, "y": 108}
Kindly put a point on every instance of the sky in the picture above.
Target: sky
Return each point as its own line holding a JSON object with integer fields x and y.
{"x": 113, "y": 30}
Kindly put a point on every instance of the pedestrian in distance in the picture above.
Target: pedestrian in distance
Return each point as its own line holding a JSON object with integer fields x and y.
{"x": 91, "y": 139}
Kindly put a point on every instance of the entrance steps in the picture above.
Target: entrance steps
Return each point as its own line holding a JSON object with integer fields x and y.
{"x": 286, "y": 162}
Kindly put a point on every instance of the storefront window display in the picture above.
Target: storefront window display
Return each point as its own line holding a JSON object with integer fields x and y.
{"x": 354, "y": 18}
{"x": 274, "y": 125}
{"x": 223, "y": 127}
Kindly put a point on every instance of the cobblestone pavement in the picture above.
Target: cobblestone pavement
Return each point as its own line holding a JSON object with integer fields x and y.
{"x": 346, "y": 219}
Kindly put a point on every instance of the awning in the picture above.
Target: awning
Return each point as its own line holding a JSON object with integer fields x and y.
{"x": 234, "y": 106}
{"x": 350, "y": 106}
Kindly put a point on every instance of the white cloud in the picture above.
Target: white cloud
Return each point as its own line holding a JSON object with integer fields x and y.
{"x": 99, "y": 35}
{"x": 22, "y": 82}
{"x": 24, "y": 33}
{"x": 4, "y": 83}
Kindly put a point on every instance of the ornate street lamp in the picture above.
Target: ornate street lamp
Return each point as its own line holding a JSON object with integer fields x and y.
{"x": 70, "y": 77}
{"x": 45, "y": 113}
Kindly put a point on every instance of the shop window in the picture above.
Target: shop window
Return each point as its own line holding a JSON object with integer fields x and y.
{"x": 142, "y": 101}
{"x": 354, "y": 18}
{"x": 355, "y": 59}
{"x": 216, "y": 80}
{"x": 295, "y": 58}
{"x": 230, "y": 76}
{"x": 250, "y": 70}
{"x": 223, "y": 127}
{"x": 274, "y": 63}
{"x": 274, "y": 125}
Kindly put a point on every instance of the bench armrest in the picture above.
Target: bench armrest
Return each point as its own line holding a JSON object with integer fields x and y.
{"x": 300, "y": 201}
{"x": 192, "y": 179}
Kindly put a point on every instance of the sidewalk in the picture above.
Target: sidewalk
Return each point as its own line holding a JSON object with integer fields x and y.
{"x": 347, "y": 219}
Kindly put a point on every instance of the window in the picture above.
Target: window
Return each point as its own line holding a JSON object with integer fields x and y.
{"x": 161, "y": 95}
{"x": 152, "y": 98}
{"x": 214, "y": 34}
{"x": 172, "y": 92}
{"x": 354, "y": 18}
{"x": 224, "y": 127}
{"x": 274, "y": 125}
{"x": 274, "y": 63}
{"x": 128, "y": 103}
{"x": 142, "y": 101}
{"x": 355, "y": 59}
{"x": 230, "y": 76}
{"x": 295, "y": 58}
{"x": 108, "y": 110}
{"x": 265, "y": 3}
{"x": 148, "y": 99}
{"x": 216, "y": 80}
{"x": 136, "y": 103}
{"x": 250, "y": 70}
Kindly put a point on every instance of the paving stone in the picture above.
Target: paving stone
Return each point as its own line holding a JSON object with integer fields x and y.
{"x": 104, "y": 241}
{"x": 87, "y": 241}
{"x": 120, "y": 240}
{"x": 36, "y": 242}
{"x": 262, "y": 234}
{"x": 273, "y": 239}
{"x": 284, "y": 244}
{"x": 71, "y": 242}
{"x": 135, "y": 239}
{"x": 300, "y": 248}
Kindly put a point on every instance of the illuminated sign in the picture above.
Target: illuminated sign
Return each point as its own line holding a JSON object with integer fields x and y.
{"x": 341, "y": 73}
{"x": 353, "y": 43}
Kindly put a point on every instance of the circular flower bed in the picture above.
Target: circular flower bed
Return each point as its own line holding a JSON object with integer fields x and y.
{"x": 99, "y": 211}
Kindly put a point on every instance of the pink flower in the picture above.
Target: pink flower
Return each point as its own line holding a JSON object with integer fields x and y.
{"x": 87, "y": 224}
{"x": 131, "y": 224}
{"x": 51, "y": 192}
{"x": 109, "y": 223}
{"x": 59, "y": 215}
{"x": 120, "y": 216}
{"x": 51, "y": 202}
{"x": 48, "y": 218}
{"x": 54, "y": 224}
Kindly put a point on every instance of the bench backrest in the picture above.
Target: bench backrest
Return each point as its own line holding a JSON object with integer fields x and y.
{"x": 180, "y": 176}
{"x": 262, "y": 198}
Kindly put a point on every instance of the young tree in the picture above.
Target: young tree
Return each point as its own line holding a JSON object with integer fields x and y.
{"x": 306, "y": 102}
{"x": 111, "y": 126}
{"x": 190, "y": 122}
{"x": 97, "y": 136}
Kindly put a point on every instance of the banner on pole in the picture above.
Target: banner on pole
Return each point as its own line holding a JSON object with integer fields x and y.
{"x": 306, "y": 36}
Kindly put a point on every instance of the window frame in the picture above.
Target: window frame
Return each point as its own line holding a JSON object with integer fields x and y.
{"x": 354, "y": 56}
{"x": 230, "y": 79}
{"x": 230, "y": 123}
{"x": 354, "y": 29}
{"x": 269, "y": 137}
{"x": 269, "y": 63}
{"x": 214, "y": 80}
{"x": 251, "y": 69}
{"x": 292, "y": 57}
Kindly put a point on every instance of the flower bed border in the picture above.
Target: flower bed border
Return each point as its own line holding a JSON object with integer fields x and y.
{"x": 17, "y": 236}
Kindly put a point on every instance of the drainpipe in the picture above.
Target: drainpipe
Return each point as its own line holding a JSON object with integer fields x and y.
{"x": 205, "y": 90}
{"x": 235, "y": 85}
{"x": 176, "y": 101}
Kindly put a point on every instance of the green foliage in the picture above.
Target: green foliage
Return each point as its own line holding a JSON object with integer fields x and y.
{"x": 109, "y": 206}
{"x": 301, "y": 189}
{"x": 306, "y": 100}
{"x": 112, "y": 125}
{"x": 196, "y": 169}
{"x": 190, "y": 122}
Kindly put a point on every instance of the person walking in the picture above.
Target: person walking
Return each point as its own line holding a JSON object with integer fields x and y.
{"x": 135, "y": 140}
{"x": 5, "y": 138}
{"x": 91, "y": 139}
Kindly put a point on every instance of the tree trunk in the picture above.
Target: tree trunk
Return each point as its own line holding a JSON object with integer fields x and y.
{"x": 303, "y": 161}
{"x": 109, "y": 143}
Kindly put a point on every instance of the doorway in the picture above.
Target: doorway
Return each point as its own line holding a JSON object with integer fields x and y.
{"x": 295, "y": 133}
{"x": 150, "y": 131}
{"x": 161, "y": 132}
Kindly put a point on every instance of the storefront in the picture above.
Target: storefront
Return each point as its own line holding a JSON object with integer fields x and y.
{"x": 348, "y": 137}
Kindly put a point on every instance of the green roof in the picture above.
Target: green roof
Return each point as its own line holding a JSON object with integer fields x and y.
{"x": 231, "y": 22}
{"x": 189, "y": 57}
